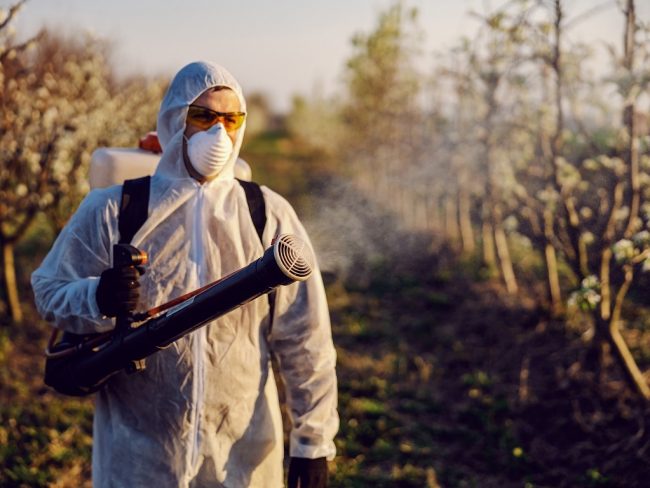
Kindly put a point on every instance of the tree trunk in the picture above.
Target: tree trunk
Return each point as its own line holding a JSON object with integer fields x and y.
{"x": 605, "y": 284}
{"x": 9, "y": 282}
{"x": 503, "y": 251}
{"x": 465, "y": 221}
{"x": 621, "y": 351}
{"x": 609, "y": 334}
{"x": 451, "y": 219}
{"x": 626, "y": 361}
{"x": 554, "y": 292}
{"x": 489, "y": 253}
{"x": 629, "y": 121}
{"x": 608, "y": 322}
{"x": 433, "y": 215}
{"x": 550, "y": 259}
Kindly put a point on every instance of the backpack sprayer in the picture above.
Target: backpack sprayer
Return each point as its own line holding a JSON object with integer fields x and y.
{"x": 83, "y": 366}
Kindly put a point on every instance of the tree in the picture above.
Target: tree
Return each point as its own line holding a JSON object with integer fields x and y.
{"x": 591, "y": 194}
{"x": 128, "y": 113}
{"x": 259, "y": 116}
{"x": 59, "y": 102}
{"x": 482, "y": 135}
{"x": 624, "y": 230}
{"x": 317, "y": 122}
{"x": 383, "y": 122}
{"x": 10, "y": 53}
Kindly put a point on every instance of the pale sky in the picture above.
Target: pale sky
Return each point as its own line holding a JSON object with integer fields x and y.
{"x": 280, "y": 47}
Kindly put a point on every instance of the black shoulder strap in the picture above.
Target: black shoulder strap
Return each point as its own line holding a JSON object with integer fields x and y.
{"x": 256, "y": 206}
{"x": 257, "y": 209}
{"x": 134, "y": 208}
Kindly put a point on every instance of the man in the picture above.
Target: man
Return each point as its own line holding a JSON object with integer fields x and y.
{"x": 205, "y": 410}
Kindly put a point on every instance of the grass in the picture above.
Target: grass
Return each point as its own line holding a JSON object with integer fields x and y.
{"x": 45, "y": 439}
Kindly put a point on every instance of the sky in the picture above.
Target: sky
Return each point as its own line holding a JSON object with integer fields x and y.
{"x": 280, "y": 47}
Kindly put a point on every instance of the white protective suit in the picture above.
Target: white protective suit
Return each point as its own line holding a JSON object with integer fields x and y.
{"x": 205, "y": 411}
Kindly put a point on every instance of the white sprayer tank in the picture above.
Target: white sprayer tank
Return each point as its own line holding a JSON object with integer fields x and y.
{"x": 112, "y": 165}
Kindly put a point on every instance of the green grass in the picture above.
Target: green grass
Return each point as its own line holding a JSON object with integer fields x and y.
{"x": 45, "y": 439}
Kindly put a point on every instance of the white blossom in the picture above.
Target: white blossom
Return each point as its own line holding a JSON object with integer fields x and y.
{"x": 590, "y": 282}
{"x": 588, "y": 296}
{"x": 623, "y": 250}
{"x": 592, "y": 298}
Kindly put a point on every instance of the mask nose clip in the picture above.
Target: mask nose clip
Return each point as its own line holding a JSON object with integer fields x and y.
{"x": 216, "y": 128}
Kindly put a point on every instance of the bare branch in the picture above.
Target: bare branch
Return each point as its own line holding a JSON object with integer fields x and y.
{"x": 13, "y": 10}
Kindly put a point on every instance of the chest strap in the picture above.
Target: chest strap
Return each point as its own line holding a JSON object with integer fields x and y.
{"x": 134, "y": 207}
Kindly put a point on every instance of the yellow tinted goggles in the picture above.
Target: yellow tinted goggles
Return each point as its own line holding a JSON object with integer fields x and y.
{"x": 204, "y": 118}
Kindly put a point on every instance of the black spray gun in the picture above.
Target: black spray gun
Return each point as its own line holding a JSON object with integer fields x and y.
{"x": 84, "y": 367}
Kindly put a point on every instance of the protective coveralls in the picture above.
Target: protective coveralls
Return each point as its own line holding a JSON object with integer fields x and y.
{"x": 205, "y": 411}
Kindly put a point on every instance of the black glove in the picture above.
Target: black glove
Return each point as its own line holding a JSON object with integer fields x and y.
{"x": 117, "y": 291}
{"x": 307, "y": 473}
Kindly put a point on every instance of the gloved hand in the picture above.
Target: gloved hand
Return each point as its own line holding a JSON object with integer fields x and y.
{"x": 117, "y": 291}
{"x": 307, "y": 473}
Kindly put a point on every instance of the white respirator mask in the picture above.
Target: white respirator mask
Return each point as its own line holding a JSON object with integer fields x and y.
{"x": 209, "y": 150}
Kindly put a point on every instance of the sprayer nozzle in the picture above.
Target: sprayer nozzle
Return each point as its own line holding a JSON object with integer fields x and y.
{"x": 294, "y": 257}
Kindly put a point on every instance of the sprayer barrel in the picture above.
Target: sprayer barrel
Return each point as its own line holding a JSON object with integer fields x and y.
{"x": 281, "y": 264}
